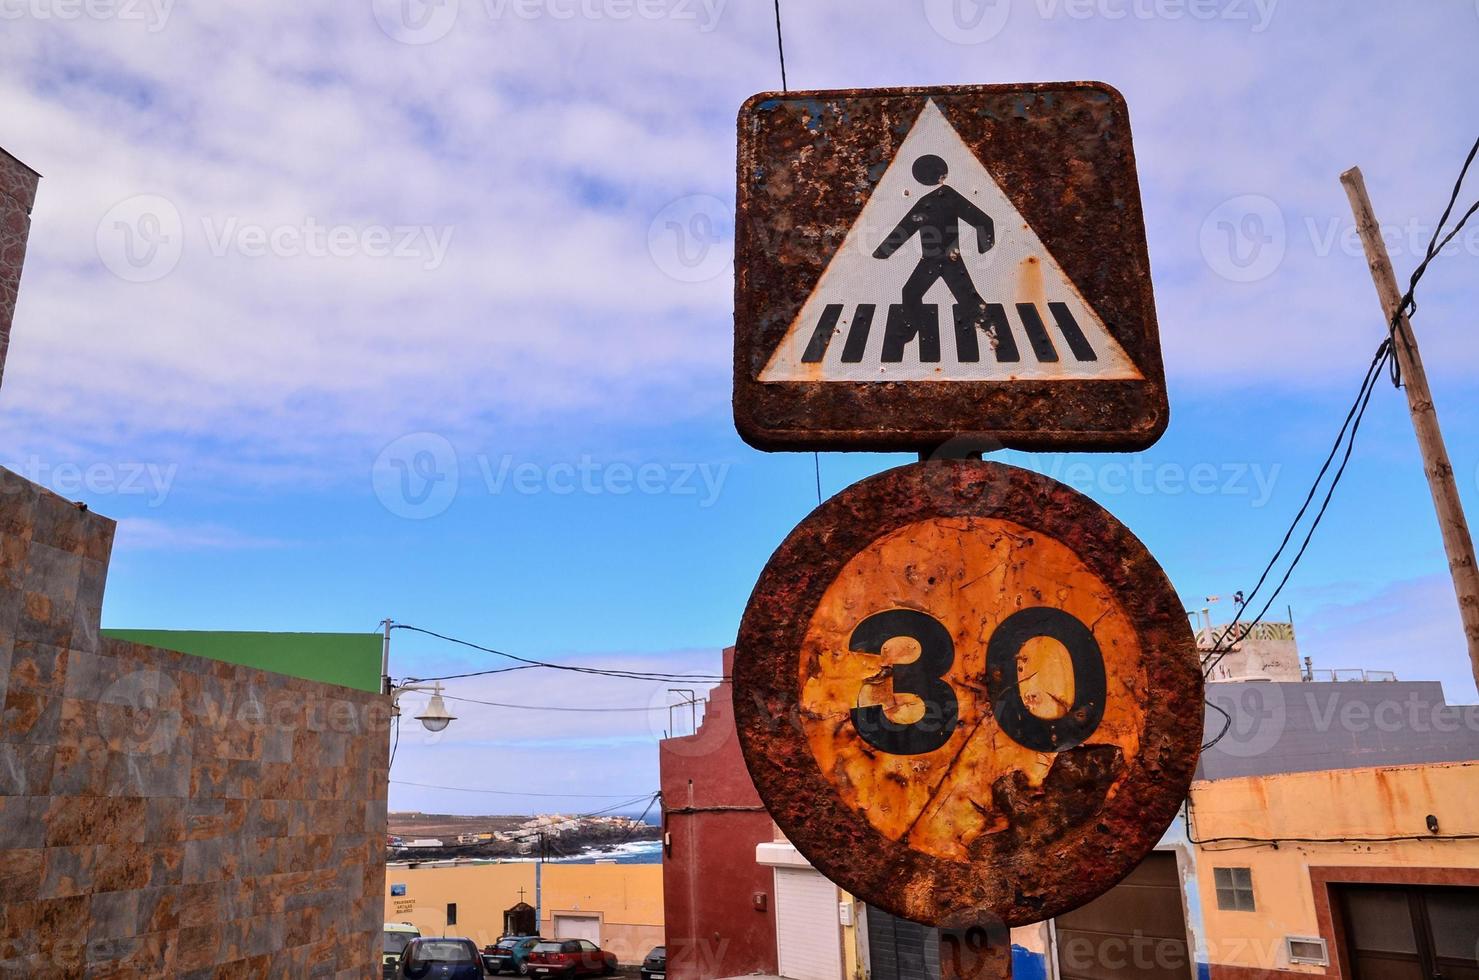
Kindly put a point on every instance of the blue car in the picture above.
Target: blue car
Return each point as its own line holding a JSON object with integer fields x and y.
{"x": 510, "y": 953}
{"x": 430, "y": 958}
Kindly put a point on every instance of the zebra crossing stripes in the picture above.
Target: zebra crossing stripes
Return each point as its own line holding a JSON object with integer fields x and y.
{"x": 970, "y": 323}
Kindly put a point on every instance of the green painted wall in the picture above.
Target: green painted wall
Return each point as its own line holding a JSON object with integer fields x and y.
{"x": 347, "y": 659}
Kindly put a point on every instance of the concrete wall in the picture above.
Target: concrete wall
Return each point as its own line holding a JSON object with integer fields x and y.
{"x": 720, "y": 912}
{"x": 1290, "y": 879}
{"x": 627, "y": 898}
{"x": 163, "y": 814}
{"x": 482, "y": 893}
{"x": 17, "y": 193}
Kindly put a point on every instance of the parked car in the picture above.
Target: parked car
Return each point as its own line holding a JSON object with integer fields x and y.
{"x": 655, "y": 966}
{"x": 446, "y": 958}
{"x": 570, "y": 958}
{"x": 510, "y": 953}
{"x": 397, "y": 935}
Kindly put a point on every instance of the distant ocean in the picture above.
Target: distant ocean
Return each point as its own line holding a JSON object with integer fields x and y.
{"x": 637, "y": 852}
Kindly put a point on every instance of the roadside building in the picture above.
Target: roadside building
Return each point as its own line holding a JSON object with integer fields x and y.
{"x": 719, "y": 910}
{"x": 619, "y": 907}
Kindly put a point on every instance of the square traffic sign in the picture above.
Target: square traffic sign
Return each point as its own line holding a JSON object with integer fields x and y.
{"x": 914, "y": 265}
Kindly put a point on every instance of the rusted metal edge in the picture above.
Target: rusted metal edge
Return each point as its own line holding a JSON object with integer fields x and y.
{"x": 839, "y": 841}
{"x": 798, "y": 194}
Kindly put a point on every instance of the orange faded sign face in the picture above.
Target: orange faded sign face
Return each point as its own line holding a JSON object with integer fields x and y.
{"x": 951, "y": 664}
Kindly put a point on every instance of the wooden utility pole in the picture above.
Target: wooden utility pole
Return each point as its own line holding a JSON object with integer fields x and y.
{"x": 1457, "y": 541}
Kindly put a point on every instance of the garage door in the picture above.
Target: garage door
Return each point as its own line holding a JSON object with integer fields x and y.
{"x": 807, "y": 935}
{"x": 1411, "y": 933}
{"x": 578, "y": 927}
{"x": 898, "y": 948}
{"x": 1136, "y": 929}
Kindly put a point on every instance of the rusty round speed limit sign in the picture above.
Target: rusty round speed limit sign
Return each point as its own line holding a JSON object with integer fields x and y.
{"x": 963, "y": 688}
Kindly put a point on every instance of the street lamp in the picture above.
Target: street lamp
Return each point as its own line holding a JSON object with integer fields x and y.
{"x": 434, "y": 717}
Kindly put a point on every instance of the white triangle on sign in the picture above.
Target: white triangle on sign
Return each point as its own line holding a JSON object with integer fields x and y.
{"x": 985, "y": 299}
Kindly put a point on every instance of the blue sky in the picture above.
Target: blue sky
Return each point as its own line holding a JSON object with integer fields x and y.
{"x": 281, "y": 253}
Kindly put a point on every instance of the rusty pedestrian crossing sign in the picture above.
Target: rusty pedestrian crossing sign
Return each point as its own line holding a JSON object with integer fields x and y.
{"x": 963, "y": 689}
{"x": 917, "y": 264}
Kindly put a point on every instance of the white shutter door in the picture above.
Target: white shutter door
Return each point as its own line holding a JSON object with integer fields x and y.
{"x": 578, "y": 927}
{"x": 808, "y": 940}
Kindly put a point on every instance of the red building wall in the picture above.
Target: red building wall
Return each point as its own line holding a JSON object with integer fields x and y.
{"x": 718, "y": 906}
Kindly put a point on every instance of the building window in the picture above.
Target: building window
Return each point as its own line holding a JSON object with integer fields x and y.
{"x": 452, "y": 913}
{"x": 1234, "y": 889}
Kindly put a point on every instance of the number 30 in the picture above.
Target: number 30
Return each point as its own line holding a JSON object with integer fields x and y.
{"x": 924, "y": 678}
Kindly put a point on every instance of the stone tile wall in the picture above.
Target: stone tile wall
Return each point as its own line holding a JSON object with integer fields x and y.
{"x": 163, "y": 814}
{"x": 17, "y": 193}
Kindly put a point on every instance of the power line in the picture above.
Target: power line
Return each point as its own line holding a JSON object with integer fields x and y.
{"x": 780, "y": 45}
{"x": 634, "y": 675}
{"x": 1385, "y": 354}
{"x": 538, "y": 707}
{"x": 1407, "y": 306}
{"x": 1345, "y": 437}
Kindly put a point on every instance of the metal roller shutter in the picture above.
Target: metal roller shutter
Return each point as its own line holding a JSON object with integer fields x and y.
{"x": 1136, "y": 929}
{"x": 807, "y": 934}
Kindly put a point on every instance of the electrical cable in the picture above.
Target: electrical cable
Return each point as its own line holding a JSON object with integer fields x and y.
{"x": 1226, "y": 725}
{"x": 780, "y": 45}
{"x": 1407, "y": 305}
{"x": 395, "y": 743}
{"x": 635, "y": 675}
{"x": 1345, "y": 437}
{"x": 1353, "y": 420}
{"x": 1386, "y": 353}
{"x": 538, "y": 707}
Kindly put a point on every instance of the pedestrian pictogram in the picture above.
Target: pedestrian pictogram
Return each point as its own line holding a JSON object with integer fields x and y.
{"x": 965, "y": 689}
{"x": 941, "y": 278}
{"x": 914, "y": 264}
